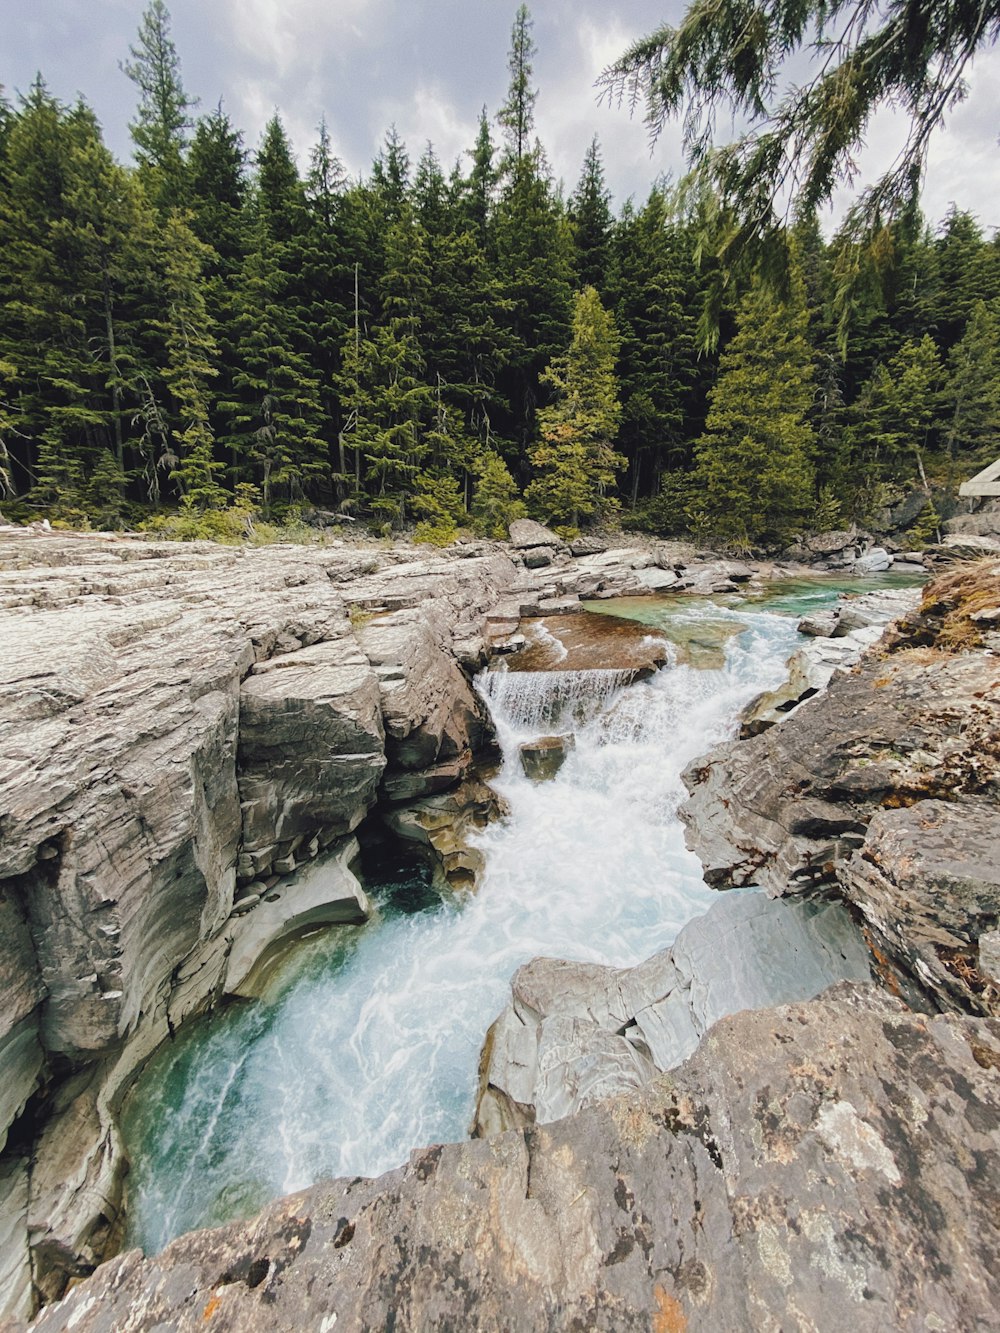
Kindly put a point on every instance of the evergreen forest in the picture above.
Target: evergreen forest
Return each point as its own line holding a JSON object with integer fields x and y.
{"x": 209, "y": 338}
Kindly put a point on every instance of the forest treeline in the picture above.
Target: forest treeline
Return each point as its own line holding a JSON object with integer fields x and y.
{"x": 209, "y": 334}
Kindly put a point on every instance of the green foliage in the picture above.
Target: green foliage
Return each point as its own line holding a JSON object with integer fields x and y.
{"x": 972, "y": 396}
{"x": 727, "y": 62}
{"x": 438, "y": 501}
{"x": 159, "y": 130}
{"x": 575, "y": 462}
{"x": 495, "y": 505}
{"x": 753, "y": 471}
{"x": 927, "y": 528}
{"x": 421, "y": 345}
{"x": 898, "y": 410}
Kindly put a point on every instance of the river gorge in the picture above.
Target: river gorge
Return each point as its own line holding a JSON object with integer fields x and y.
{"x": 370, "y": 877}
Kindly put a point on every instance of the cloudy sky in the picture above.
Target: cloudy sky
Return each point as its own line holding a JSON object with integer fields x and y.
{"x": 429, "y": 66}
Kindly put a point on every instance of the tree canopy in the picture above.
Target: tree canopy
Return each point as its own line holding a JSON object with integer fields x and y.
{"x": 737, "y": 59}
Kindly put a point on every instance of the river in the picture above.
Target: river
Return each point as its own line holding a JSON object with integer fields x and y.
{"x": 366, "y": 1044}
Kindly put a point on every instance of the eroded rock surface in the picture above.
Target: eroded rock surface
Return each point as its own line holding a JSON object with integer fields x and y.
{"x": 577, "y": 1032}
{"x": 819, "y": 1165}
{"x": 181, "y": 728}
{"x": 885, "y": 787}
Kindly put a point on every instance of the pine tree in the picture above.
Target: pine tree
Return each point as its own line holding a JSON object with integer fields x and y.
{"x": 391, "y": 176}
{"x": 753, "y": 475}
{"x": 897, "y": 413}
{"x": 478, "y": 191}
{"x": 73, "y": 232}
{"x": 534, "y": 267}
{"x": 495, "y": 504}
{"x": 159, "y": 130}
{"x": 276, "y": 415}
{"x": 652, "y": 288}
{"x": 387, "y": 400}
{"x": 590, "y": 215}
{"x": 517, "y": 115}
{"x": 575, "y": 460}
{"x": 189, "y": 366}
{"x": 279, "y": 197}
{"x": 217, "y": 191}
{"x": 973, "y": 391}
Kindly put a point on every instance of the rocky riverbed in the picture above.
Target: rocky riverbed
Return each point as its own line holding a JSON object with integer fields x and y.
{"x": 185, "y": 728}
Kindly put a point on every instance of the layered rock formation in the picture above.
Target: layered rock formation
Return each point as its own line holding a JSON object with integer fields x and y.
{"x": 820, "y": 1161}
{"x": 884, "y": 787}
{"x": 810, "y": 1166}
{"x": 181, "y": 728}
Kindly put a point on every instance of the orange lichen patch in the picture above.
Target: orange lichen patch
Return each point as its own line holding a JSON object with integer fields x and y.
{"x": 211, "y": 1307}
{"x": 669, "y": 1316}
{"x": 883, "y": 966}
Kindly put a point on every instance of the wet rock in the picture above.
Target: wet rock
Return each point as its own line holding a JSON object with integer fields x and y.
{"x": 838, "y": 640}
{"x": 585, "y": 640}
{"x": 446, "y": 825}
{"x": 576, "y": 1032}
{"x": 542, "y": 759}
{"x": 837, "y": 1158}
{"x": 791, "y": 809}
{"x": 322, "y": 894}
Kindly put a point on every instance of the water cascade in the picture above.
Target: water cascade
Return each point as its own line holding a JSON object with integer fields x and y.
{"x": 366, "y": 1045}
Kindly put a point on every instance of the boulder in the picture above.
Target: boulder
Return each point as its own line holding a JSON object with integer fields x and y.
{"x": 525, "y": 534}
{"x": 836, "y": 1158}
{"x": 577, "y": 1032}
{"x": 657, "y": 580}
{"x": 927, "y": 881}
{"x": 432, "y": 715}
{"x": 580, "y": 546}
{"x": 542, "y": 759}
{"x": 539, "y": 557}
{"x": 791, "y": 809}
{"x": 446, "y": 824}
{"x": 838, "y": 640}
{"x": 875, "y": 561}
{"x": 311, "y": 747}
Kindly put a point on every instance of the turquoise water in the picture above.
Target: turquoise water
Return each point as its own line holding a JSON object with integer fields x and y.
{"x": 366, "y": 1045}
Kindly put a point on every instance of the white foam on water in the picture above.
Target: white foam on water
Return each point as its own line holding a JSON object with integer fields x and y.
{"x": 369, "y": 1046}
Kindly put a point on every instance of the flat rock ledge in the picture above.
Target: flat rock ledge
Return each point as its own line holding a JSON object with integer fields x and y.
{"x": 819, "y": 1165}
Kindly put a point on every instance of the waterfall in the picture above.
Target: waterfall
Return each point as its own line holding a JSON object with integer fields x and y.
{"x": 535, "y": 701}
{"x": 367, "y": 1045}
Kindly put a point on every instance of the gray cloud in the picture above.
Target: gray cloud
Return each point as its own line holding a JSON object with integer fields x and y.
{"x": 429, "y": 67}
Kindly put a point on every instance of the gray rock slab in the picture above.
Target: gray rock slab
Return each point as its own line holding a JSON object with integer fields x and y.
{"x": 839, "y": 1159}
{"x": 746, "y": 952}
{"x": 525, "y": 534}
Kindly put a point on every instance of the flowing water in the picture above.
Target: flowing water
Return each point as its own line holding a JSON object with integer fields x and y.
{"x": 367, "y": 1043}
